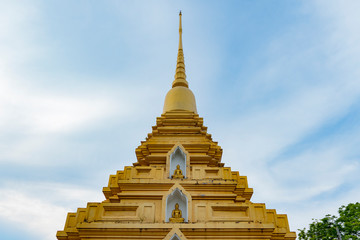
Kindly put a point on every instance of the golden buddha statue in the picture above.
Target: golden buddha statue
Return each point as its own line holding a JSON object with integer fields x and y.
{"x": 177, "y": 173}
{"x": 176, "y": 215}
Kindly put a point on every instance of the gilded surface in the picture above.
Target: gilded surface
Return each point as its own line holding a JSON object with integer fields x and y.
{"x": 178, "y": 173}
{"x": 136, "y": 198}
{"x": 176, "y": 215}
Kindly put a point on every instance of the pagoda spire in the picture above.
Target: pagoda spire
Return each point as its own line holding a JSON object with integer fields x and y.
{"x": 180, "y": 97}
{"x": 180, "y": 76}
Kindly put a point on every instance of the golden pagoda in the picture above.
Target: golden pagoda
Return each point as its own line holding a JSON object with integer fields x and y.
{"x": 178, "y": 189}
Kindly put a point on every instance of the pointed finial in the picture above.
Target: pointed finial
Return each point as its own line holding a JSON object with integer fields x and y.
{"x": 180, "y": 31}
{"x": 180, "y": 77}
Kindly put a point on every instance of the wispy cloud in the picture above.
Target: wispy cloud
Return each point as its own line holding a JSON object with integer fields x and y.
{"x": 277, "y": 112}
{"x": 44, "y": 204}
{"x": 313, "y": 95}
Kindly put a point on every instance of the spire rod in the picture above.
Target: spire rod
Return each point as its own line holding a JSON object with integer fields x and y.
{"x": 180, "y": 77}
{"x": 180, "y": 31}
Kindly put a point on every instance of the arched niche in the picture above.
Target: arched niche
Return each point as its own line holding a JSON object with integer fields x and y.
{"x": 176, "y": 197}
{"x": 175, "y": 237}
{"x": 175, "y": 234}
{"x": 177, "y": 157}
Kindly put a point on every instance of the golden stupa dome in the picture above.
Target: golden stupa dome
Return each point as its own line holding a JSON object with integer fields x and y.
{"x": 180, "y": 98}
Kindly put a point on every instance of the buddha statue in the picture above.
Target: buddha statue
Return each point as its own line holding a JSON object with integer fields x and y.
{"x": 178, "y": 173}
{"x": 176, "y": 215}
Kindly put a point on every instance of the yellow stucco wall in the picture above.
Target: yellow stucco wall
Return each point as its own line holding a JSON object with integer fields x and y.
{"x": 218, "y": 199}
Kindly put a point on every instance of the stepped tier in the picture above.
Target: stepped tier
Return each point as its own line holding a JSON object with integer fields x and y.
{"x": 183, "y": 127}
{"x": 219, "y": 207}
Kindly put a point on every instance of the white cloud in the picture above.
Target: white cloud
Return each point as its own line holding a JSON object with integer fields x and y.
{"x": 42, "y": 208}
{"x": 36, "y": 116}
{"x": 32, "y": 213}
{"x": 265, "y": 131}
{"x": 48, "y": 112}
{"x": 18, "y": 28}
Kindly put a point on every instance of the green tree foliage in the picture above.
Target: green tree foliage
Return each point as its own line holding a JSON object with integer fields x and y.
{"x": 348, "y": 223}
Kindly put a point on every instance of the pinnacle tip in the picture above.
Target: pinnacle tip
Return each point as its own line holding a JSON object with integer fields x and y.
{"x": 180, "y": 13}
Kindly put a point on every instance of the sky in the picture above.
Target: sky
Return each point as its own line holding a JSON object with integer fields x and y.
{"x": 82, "y": 82}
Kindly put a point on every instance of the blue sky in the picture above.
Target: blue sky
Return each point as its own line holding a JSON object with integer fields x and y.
{"x": 82, "y": 82}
